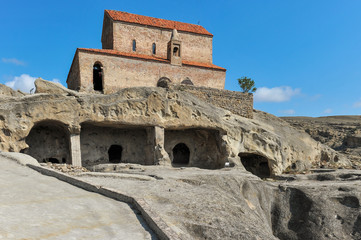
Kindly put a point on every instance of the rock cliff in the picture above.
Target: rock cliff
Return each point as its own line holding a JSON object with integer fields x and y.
{"x": 229, "y": 203}
{"x": 342, "y": 133}
{"x": 265, "y": 136}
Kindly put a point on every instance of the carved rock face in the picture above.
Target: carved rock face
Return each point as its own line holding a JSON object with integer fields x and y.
{"x": 227, "y": 134}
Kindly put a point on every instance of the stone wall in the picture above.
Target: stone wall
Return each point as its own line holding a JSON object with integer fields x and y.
{"x": 107, "y": 34}
{"x": 237, "y": 102}
{"x": 48, "y": 141}
{"x": 195, "y": 47}
{"x": 74, "y": 74}
{"x": 120, "y": 72}
{"x": 96, "y": 141}
{"x": 203, "y": 144}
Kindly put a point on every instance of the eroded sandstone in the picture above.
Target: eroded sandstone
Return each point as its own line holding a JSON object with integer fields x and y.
{"x": 176, "y": 113}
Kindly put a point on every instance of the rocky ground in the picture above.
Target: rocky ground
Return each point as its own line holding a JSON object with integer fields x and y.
{"x": 228, "y": 203}
{"x": 342, "y": 133}
{"x": 232, "y": 203}
{"x": 34, "y": 206}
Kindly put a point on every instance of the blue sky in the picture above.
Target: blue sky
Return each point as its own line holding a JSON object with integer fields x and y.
{"x": 305, "y": 56}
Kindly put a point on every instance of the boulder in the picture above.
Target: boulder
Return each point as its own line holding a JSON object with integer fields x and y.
{"x": 43, "y": 86}
{"x": 6, "y": 91}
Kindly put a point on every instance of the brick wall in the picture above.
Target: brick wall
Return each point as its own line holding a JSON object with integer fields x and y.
{"x": 195, "y": 47}
{"x": 120, "y": 72}
{"x": 237, "y": 102}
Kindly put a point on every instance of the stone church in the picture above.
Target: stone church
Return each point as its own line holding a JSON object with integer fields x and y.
{"x": 151, "y": 95}
{"x": 142, "y": 51}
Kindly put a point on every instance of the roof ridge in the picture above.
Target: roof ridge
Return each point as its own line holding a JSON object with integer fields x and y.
{"x": 156, "y": 22}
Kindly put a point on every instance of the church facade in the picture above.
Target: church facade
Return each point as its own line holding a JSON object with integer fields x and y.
{"x": 140, "y": 51}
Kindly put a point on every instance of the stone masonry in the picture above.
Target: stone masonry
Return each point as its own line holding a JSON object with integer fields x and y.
{"x": 237, "y": 102}
{"x": 138, "y": 51}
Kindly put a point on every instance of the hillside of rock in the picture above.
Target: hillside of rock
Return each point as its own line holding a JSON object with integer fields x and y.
{"x": 263, "y": 137}
{"x": 342, "y": 133}
{"x": 232, "y": 204}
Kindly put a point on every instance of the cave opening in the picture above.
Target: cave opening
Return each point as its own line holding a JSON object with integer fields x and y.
{"x": 181, "y": 154}
{"x": 256, "y": 164}
{"x": 48, "y": 141}
{"x": 115, "y": 153}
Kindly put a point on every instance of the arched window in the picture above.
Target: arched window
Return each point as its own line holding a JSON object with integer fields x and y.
{"x": 98, "y": 77}
{"x": 176, "y": 51}
{"x": 187, "y": 81}
{"x": 181, "y": 154}
{"x": 134, "y": 46}
{"x": 154, "y": 48}
{"x": 163, "y": 82}
{"x": 115, "y": 153}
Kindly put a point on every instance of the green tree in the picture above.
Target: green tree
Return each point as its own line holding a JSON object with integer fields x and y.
{"x": 247, "y": 84}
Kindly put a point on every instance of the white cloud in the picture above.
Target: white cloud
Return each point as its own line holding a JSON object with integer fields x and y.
{"x": 25, "y": 83}
{"x": 288, "y": 112}
{"x": 327, "y": 111}
{"x": 13, "y": 61}
{"x": 276, "y": 94}
{"x": 357, "y": 104}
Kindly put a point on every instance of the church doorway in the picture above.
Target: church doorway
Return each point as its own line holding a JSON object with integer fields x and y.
{"x": 98, "y": 77}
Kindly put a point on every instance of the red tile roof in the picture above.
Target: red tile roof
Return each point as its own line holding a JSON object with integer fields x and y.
{"x": 151, "y": 58}
{"x": 156, "y": 22}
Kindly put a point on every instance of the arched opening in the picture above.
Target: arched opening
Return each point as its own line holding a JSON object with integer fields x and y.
{"x": 115, "y": 153}
{"x": 187, "y": 81}
{"x": 176, "y": 51}
{"x": 181, "y": 154}
{"x": 98, "y": 77}
{"x": 256, "y": 164}
{"x": 154, "y": 49}
{"x": 134, "y": 47}
{"x": 48, "y": 141}
{"x": 163, "y": 82}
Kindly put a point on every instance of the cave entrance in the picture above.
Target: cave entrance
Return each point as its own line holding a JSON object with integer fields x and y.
{"x": 256, "y": 164}
{"x": 181, "y": 154}
{"x": 115, "y": 153}
{"x": 48, "y": 141}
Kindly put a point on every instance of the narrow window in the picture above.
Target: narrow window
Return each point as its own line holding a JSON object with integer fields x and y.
{"x": 176, "y": 51}
{"x": 97, "y": 77}
{"x": 134, "y": 46}
{"x": 154, "y": 48}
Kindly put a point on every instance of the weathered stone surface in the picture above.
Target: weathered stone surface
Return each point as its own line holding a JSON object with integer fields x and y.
{"x": 6, "y": 91}
{"x": 282, "y": 146}
{"x": 20, "y": 158}
{"x": 233, "y": 204}
{"x": 237, "y": 102}
{"x": 34, "y": 206}
{"x": 43, "y": 86}
{"x": 322, "y": 205}
{"x": 342, "y": 133}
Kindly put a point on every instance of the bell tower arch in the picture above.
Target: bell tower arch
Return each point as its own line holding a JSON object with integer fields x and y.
{"x": 175, "y": 49}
